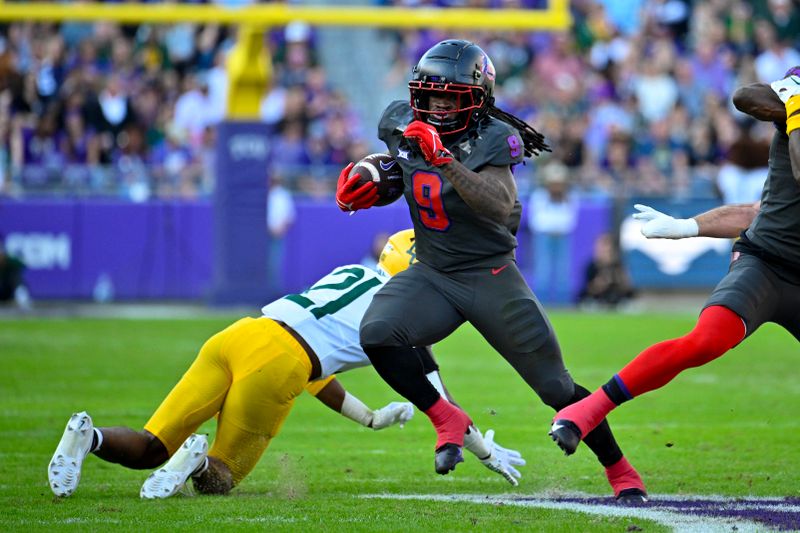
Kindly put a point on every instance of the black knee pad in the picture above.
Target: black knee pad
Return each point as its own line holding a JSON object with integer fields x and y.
{"x": 556, "y": 393}
{"x": 527, "y": 330}
{"x": 376, "y": 332}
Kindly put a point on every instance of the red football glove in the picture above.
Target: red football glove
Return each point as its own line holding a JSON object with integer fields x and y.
{"x": 352, "y": 197}
{"x": 429, "y": 143}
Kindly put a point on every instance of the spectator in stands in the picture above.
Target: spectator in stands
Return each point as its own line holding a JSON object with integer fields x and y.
{"x": 5, "y": 146}
{"x": 784, "y": 17}
{"x": 617, "y": 175}
{"x": 557, "y": 67}
{"x": 296, "y": 54}
{"x": 741, "y": 176}
{"x": 77, "y": 145}
{"x": 174, "y": 169}
{"x": 552, "y": 217}
{"x": 606, "y": 281}
{"x": 647, "y": 179}
{"x": 280, "y": 218}
{"x": 655, "y": 89}
{"x": 288, "y": 155}
{"x": 194, "y": 108}
{"x": 130, "y": 163}
{"x": 34, "y": 151}
{"x": 776, "y": 56}
{"x": 208, "y": 159}
{"x": 108, "y": 114}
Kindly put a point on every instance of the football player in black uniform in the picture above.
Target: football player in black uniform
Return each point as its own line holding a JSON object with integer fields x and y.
{"x": 457, "y": 150}
{"x": 762, "y": 285}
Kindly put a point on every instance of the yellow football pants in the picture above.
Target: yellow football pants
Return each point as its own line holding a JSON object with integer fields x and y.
{"x": 249, "y": 373}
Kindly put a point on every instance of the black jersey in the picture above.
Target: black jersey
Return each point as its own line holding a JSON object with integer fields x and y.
{"x": 449, "y": 234}
{"x": 775, "y": 232}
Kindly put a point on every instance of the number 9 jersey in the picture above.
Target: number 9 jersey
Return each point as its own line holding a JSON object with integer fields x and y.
{"x": 329, "y": 313}
{"x": 449, "y": 234}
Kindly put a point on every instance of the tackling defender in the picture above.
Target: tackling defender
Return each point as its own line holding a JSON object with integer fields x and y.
{"x": 249, "y": 375}
{"x": 762, "y": 285}
{"x": 456, "y": 150}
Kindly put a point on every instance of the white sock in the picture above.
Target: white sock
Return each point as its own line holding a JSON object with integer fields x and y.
{"x": 200, "y": 469}
{"x": 99, "y": 436}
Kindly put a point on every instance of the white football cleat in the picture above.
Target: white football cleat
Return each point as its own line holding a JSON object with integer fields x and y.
{"x": 169, "y": 479}
{"x": 64, "y": 471}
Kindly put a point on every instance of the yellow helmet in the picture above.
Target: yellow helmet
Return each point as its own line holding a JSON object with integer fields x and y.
{"x": 399, "y": 253}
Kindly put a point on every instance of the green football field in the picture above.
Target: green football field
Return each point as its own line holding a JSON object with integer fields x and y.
{"x": 728, "y": 429}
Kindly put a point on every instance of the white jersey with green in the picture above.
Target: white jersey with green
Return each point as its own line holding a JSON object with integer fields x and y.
{"x": 328, "y": 314}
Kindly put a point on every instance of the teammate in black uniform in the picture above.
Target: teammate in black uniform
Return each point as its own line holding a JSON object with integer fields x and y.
{"x": 762, "y": 285}
{"x": 457, "y": 151}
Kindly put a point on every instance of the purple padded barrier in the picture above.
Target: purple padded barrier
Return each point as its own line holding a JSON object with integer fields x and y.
{"x": 154, "y": 250}
{"x": 165, "y": 249}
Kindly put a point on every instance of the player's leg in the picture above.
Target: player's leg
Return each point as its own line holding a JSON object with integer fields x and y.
{"x": 140, "y": 450}
{"x": 191, "y": 459}
{"x": 787, "y": 315}
{"x": 505, "y": 311}
{"x": 408, "y": 311}
{"x": 195, "y": 398}
{"x": 744, "y": 299}
{"x": 270, "y": 369}
{"x": 509, "y": 316}
{"x": 411, "y": 310}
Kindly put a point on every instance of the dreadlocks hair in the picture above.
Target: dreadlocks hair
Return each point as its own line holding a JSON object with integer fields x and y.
{"x": 532, "y": 140}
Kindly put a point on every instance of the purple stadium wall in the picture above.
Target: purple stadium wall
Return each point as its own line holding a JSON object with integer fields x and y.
{"x": 164, "y": 250}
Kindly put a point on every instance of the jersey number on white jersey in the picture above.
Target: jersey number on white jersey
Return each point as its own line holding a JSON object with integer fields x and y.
{"x": 324, "y": 302}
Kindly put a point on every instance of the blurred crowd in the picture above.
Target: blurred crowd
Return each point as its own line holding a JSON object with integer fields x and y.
{"x": 635, "y": 100}
{"x": 132, "y": 110}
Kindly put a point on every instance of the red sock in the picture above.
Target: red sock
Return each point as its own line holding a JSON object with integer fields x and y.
{"x": 449, "y": 421}
{"x": 589, "y": 412}
{"x": 718, "y": 330}
{"x": 621, "y": 475}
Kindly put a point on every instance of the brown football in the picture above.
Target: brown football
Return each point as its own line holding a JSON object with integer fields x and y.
{"x": 385, "y": 172}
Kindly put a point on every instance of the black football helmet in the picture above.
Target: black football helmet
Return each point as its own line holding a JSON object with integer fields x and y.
{"x": 460, "y": 71}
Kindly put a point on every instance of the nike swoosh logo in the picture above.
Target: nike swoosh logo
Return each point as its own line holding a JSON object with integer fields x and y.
{"x": 496, "y": 271}
{"x": 388, "y": 167}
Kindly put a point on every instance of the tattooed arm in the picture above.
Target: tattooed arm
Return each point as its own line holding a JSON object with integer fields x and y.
{"x": 490, "y": 192}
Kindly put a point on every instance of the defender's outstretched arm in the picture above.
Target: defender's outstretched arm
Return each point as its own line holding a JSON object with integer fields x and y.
{"x": 337, "y": 398}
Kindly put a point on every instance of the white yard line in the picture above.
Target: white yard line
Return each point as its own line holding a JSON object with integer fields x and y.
{"x": 680, "y": 520}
